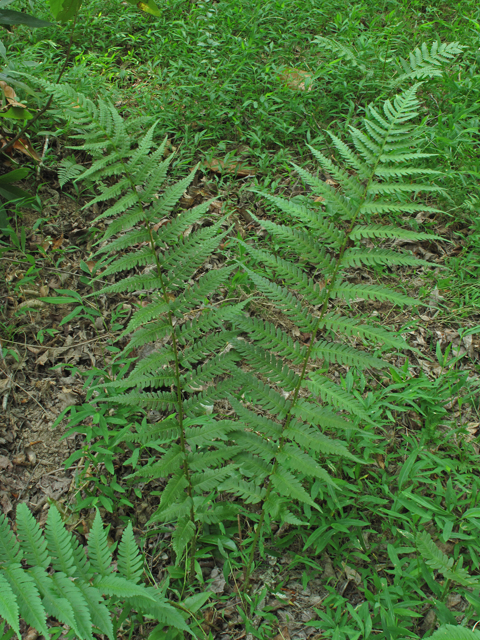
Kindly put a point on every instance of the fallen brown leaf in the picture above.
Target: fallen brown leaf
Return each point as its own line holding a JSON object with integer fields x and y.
{"x": 23, "y": 145}
{"x": 295, "y": 79}
{"x": 10, "y": 95}
{"x": 283, "y": 634}
{"x": 32, "y": 634}
{"x": 56, "y": 244}
{"x": 237, "y": 168}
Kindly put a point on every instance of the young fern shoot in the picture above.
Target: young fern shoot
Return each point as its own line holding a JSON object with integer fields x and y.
{"x": 284, "y": 401}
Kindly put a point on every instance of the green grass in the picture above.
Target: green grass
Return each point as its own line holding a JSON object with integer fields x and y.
{"x": 209, "y": 72}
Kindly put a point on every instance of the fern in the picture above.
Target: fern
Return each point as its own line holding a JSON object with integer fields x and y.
{"x": 438, "y": 561}
{"x": 68, "y": 170}
{"x": 427, "y": 62}
{"x": 87, "y": 604}
{"x": 452, "y": 632}
{"x": 284, "y": 401}
{"x": 181, "y": 376}
{"x": 423, "y": 62}
{"x": 282, "y": 453}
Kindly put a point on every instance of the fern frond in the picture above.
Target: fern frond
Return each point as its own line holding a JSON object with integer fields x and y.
{"x": 129, "y": 239}
{"x": 208, "y": 319}
{"x": 173, "y": 512}
{"x": 352, "y": 160}
{"x": 9, "y": 547}
{"x": 385, "y": 206}
{"x": 248, "y": 491}
{"x": 350, "y": 185}
{"x": 68, "y": 169}
{"x": 294, "y": 459}
{"x": 8, "y": 606}
{"x": 74, "y": 595}
{"x": 372, "y": 292}
{"x": 209, "y": 479}
{"x": 268, "y": 336}
{"x": 293, "y": 275}
{"x": 311, "y": 439}
{"x": 224, "y": 363}
{"x": 320, "y": 416}
{"x": 212, "y": 343}
{"x": 359, "y": 257}
{"x": 184, "y": 532}
{"x": 134, "y": 259}
{"x": 455, "y": 632}
{"x": 143, "y": 282}
{"x": 174, "y": 489}
{"x": 27, "y": 597}
{"x": 314, "y": 219}
{"x": 262, "y": 394}
{"x": 208, "y": 431}
{"x": 334, "y": 352}
{"x": 302, "y": 242}
{"x": 400, "y": 172}
{"x": 266, "y": 364}
{"x": 82, "y": 565}
{"x": 335, "y": 395}
{"x": 213, "y": 458}
{"x": 253, "y": 466}
{"x": 53, "y": 603}
{"x": 339, "y": 49}
{"x": 98, "y": 611}
{"x": 131, "y": 218}
{"x": 381, "y": 188}
{"x": 255, "y": 420}
{"x": 288, "y": 485}
{"x": 144, "y": 146}
{"x": 218, "y": 513}
{"x": 162, "y": 468}
{"x": 114, "y": 585}
{"x": 153, "y": 401}
{"x": 427, "y": 63}
{"x": 32, "y": 542}
{"x": 285, "y": 300}
{"x": 152, "y": 332}
{"x": 253, "y": 443}
{"x": 436, "y": 559}
{"x": 351, "y": 326}
{"x": 341, "y": 204}
{"x": 98, "y": 551}
{"x": 153, "y": 604}
{"x": 388, "y": 231}
{"x": 59, "y": 543}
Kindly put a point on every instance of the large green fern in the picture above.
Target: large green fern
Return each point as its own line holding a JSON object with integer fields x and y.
{"x": 164, "y": 257}
{"x": 285, "y": 401}
{"x": 278, "y": 386}
{"x": 48, "y": 574}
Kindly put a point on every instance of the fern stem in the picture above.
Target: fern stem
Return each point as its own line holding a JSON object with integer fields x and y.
{"x": 288, "y": 418}
{"x": 180, "y": 404}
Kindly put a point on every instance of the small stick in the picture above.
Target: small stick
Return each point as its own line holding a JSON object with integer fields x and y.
{"x": 40, "y": 164}
{"x": 239, "y": 529}
{"x": 28, "y": 394}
